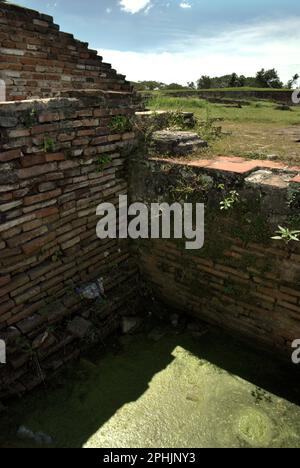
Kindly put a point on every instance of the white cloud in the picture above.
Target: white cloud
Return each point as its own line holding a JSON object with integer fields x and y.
{"x": 243, "y": 51}
{"x": 185, "y": 5}
{"x": 134, "y": 6}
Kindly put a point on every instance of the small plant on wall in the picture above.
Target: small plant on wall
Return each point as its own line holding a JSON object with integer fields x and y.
{"x": 120, "y": 124}
{"x": 30, "y": 118}
{"x": 229, "y": 202}
{"x": 49, "y": 145}
{"x": 103, "y": 161}
{"x": 286, "y": 235}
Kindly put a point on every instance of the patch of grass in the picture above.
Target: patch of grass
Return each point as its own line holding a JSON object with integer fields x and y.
{"x": 264, "y": 111}
{"x": 254, "y": 131}
{"x": 160, "y": 102}
{"x": 217, "y": 90}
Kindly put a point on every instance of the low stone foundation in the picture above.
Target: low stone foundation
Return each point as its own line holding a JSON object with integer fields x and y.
{"x": 176, "y": 143}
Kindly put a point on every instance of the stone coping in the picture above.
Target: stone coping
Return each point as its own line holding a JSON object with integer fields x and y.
{"x": 237, "y": 165}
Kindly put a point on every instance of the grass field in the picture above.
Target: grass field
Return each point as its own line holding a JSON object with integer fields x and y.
{"x": 219, "y": 90}
{"x": 257, "y": 130}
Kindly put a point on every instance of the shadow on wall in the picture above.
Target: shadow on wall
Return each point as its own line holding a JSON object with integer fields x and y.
{"x": 91, "y": 394}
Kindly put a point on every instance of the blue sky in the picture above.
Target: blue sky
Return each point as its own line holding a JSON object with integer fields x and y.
{"x": 179, "y": 40}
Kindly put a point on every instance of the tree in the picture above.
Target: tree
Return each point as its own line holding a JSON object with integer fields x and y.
{"x": 234, "y": 81}
{"x": 268, "y": 79}
{"x": 205, "y": 82}
{"x": 293, "y": 82}
{"x": 148, "y": 85}
{"x": 191, "y": 85}
{"x": 174, "y": 86}
{"x": 242, "y": 81}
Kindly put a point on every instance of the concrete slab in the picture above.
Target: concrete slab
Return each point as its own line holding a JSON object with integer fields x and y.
{"x": 193, "y": 403}
{"x": 183, "y": 390}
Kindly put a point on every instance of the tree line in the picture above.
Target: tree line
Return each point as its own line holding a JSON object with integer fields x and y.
{"x": 263, "y": 79}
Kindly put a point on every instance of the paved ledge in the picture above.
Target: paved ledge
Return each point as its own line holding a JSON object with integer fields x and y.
{"x": 236, "y": 165}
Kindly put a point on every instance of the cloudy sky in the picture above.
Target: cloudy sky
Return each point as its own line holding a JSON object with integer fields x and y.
{"x": 180, "y": 40}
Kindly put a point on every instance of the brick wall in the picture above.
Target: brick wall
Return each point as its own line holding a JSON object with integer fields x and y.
{"x": 37, "y": 60}
{"x": 241, "y": 280}
{"x": 59, "y": 158}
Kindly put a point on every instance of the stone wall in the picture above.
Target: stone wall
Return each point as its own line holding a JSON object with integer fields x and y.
{"x": 242, "y": 280}
{"x": 60, "y": 158}
{"x": 37, "y": 60}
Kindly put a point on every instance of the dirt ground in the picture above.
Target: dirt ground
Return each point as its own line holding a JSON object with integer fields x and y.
{"x": 259, "y": 141}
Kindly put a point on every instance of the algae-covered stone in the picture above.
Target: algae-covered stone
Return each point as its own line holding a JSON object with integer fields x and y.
{"x": 255, "y": 427}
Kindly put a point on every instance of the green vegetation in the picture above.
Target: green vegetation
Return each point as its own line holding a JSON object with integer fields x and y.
{"x": 268, "y": 79}
{"x": 30, "y": 118}
{"x": 286, "y": 235}
{"x": 103, "y": 161}
{"x": 229, "y": 202}
{"x": 49, "y": 145}
{"x": 238, "y": 89}
{"x": 254, "y": 130}
{"x": 256, "y": 111}
{"x": 120, "y": 124}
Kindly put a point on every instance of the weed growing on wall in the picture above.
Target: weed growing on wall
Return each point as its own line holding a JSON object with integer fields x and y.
{"x": 229, "y": 202}
{"x": 286, "y": 235}
{"x": 120, "y": 124}
{"x": 49, "y": 145}
{"x": 102, "y": 161}
{"x": 191, "y": 187}
{"x": 30, "y": 118}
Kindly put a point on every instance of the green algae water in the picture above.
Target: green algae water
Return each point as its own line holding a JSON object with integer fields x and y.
{"x": 177, "y": 390}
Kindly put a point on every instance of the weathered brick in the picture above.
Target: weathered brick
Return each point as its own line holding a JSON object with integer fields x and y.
{"x": 4, "y": 280}
{"x": 10, "y": 206}
{"x": 35, "y": 245}
{"x": 55, "y": 157}
{"x": 10, "y": 155}
{"x": 41, "y": 197}
{"x": 15, "y": 283}
{"x": 26, "y": 237}
{"x": 36, "y": 170}
{"x": 15, "y": 222}
{"x": 32, "y": 160}
{"x": 6, "y": 306}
